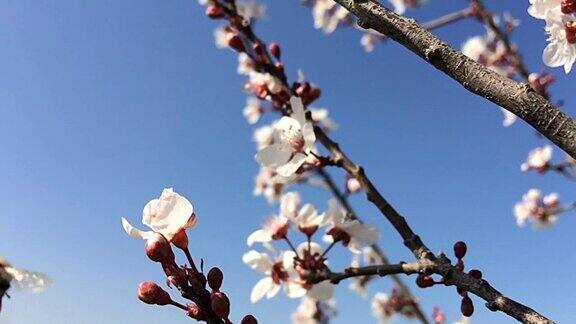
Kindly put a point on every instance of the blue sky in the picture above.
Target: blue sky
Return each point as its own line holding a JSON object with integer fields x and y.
{"x": 104, "y": 103}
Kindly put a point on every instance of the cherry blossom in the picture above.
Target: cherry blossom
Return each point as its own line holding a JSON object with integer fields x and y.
{"x": 245, "y": 64}
{"x": 253, "y": 110}
{"x": 321, "y": 118}
{"x": 328, "y": 15}
{"x": 312, "y": 311}
{"x": 278, "y": 272}
{"x": 369, "y": 41}
{"x": 351, "y": 233}
{"x": 538, "y": 159}
{"x": 353, "y": 185}
{"x": 561, "y": 30}
{"x": 270, "y": 184}
{"x": 275, "y": 228}
{"x": 264, "y": 136}
{"x": 293, "y": 140}
{"x": 251, "y": 10}
{"x": 401, "y": 5}
{"x": 306, "y": 218}
{"x": 167, "y": 215}
{"x": 385, "y": 307}
{"x": 542, "y": 211}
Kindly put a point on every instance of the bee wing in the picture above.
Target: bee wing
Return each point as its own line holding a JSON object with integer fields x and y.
{"x": 32, "y": 281}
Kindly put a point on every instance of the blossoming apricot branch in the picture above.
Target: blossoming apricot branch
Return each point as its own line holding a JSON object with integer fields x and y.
{"x": 169, "y": 217}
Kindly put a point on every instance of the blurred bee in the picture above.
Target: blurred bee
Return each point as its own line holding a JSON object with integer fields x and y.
{"x": 21, "y": 279}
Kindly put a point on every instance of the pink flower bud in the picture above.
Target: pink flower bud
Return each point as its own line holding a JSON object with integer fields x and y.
{"x": 215, "y": 277}
{"x": 158, "y": 249}
{"x": 220, "y": 304}
{"x": 151, "y": 293}
{"x": 275, "y": 50}
{"x": 249, "y": 319}
{"x": 214, "y": 11}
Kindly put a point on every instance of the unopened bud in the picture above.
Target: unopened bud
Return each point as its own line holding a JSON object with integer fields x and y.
{"x": 476, "y": 274}
{"x": 275, "y": 50}
{"x": 220, "y": 304}
{"x": 249, "y": 319}
{"x": 235, "y": 42}
{"x": 215, "y": 277}
{"x": 460, "y": 249}
{"x": 214, "y": 11}
{"x": 467, "y": 307}
{"x": 158, "y": 249}
{"x": 424, "y": 281}
{"x": 151, "y": 293}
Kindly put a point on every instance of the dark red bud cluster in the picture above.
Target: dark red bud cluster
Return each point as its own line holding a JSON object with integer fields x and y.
{"x": 476, "y": 274}
{"x": 568, "y": 6}
{"x": 307, "y": 92}
{"x": 195, "y": 312}
{"x": 220, "y": 304}
{"x": 151, "y": 293}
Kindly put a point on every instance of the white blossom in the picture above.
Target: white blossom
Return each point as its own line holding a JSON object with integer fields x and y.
{"x": 274, "y": 228}
{"x": 278, "y": 272}
{"x": 166, "y": 215}
{"x": 245, "y": 64}
{"x": 369, "y": 41}
{"x": 353, "y": 185}
{"x": 305, "y": 217}
{"x": 538, "y": 159}
{"x": 380, "y": 308}
{"x": 320, "y": 117}
{"x": 251, "y": 10}
{"x": 509, "y": 118}
{"x": 357, "y": 233}
{"x": 328, "y": 15}
{"x": 293, "y": 140}
{"x": 253, "y": 110}
{"x": 541, "y": 210}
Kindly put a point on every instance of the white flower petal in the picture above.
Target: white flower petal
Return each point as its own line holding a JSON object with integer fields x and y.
{"x": 258, "y": 236}
{"x": 134, "y": 232}
{"x": 261, "y": 288}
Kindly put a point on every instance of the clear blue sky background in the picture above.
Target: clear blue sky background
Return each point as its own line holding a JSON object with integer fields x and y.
{"x": 104, "y": 103}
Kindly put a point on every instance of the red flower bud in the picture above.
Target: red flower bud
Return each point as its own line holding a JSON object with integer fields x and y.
{"x": 476, "y": 274}
{"x": 258, "y": 49}
{"x": 151, "y": 293}
{"x": 214, "y": 11}
{"x": 249, "y": 319}
{"x": 460, "y": 249}
{"x": 275, "y": 50}
{"x": 568, "y": 6}
{"x": 180, "y": 239}
{"x": 158, "y": 249}
{"x": 220, "y": 304}
{"x": 215, "y": 277}
{"x": 235, "y": 42}
{"x": 467, "y": 308}
{"x": 424, "y": 281}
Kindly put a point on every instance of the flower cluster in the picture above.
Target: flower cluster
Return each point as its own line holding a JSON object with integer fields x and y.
{"x": 385, "y": 307}
{"x": 560, "y": 19}
{"x": 291, "y": 269}
{"x": 538, "y": 159}
{"x": 168, "y": 218}
{"x": 312, "y": 311}
{"x": 541, "y": 210}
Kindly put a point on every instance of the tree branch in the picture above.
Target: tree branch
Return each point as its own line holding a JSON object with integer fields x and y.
{"x": 404, "y": 289}
{"x": 518, "y": 98}
{"x": 441, "y": 265}
{"x": 375, "y": 270}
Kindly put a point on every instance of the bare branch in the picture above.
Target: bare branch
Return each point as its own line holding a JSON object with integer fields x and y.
{"x": 518, "y": 98}
{"x": 375, "y": 270}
